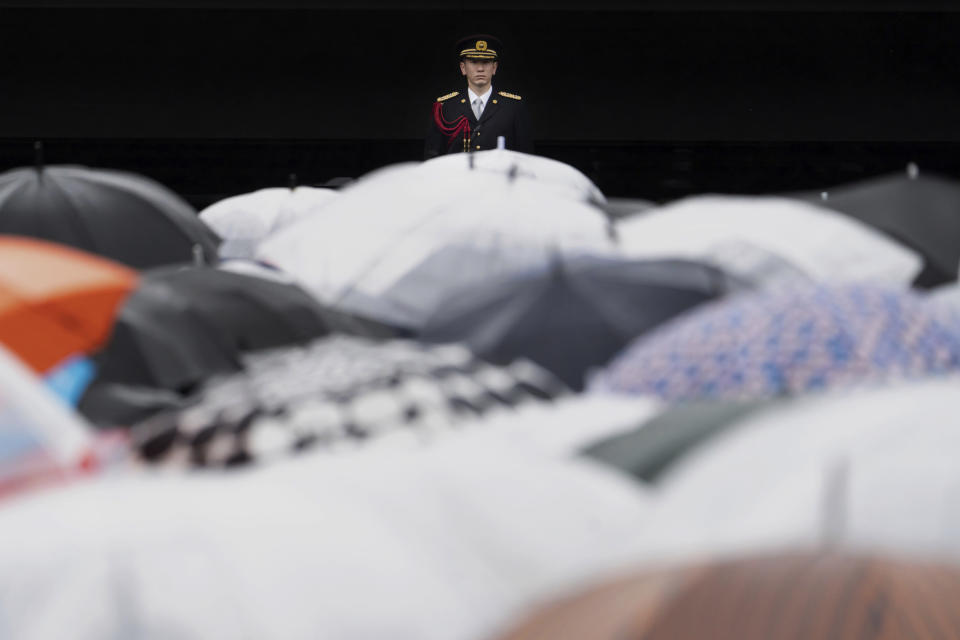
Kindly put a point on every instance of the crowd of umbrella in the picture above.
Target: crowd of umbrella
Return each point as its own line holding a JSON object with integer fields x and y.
{"x": 448, "y": 392}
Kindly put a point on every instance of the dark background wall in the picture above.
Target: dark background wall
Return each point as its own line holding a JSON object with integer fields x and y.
{"x": 217, "y": 97}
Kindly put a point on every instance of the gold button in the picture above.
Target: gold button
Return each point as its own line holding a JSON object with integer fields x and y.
{"x": 494, "y": 102}
{"x": 463, "y": 99}
{"x": 478, "y": 146}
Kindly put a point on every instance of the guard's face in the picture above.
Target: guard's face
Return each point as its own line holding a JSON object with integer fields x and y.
{"x": 478, "y": 72}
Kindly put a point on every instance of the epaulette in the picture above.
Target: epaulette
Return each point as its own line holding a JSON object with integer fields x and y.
{"x": 509, "y": 95}
{"x": 448, "y": 96}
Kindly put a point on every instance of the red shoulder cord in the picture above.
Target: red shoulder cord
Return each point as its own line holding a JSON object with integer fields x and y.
{"x": 451, "y": 129}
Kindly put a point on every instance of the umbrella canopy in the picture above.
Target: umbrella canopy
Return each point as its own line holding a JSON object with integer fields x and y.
{"x": 337, "y": 391}
{"x": 621, "y": 208}
{"x": 763, "y": 598}
{"x": 56, "y": 301}
{"x": 183, "y": 325}
{"x": 921, "y": 211}
{"x": 769, "y": 241}
{"x": 865, "y": 469}
{"x": 947, "y": 295}
{"x": 433, "y": 543}
{"x": 545, "y": 171}
{"x": 243, "y": 221}
{"x": 122, "y": 216}
{"x": 393, "y": 245}
{"x": 772, "y": 343}
{"x": 649, "y": 450}
{"x": 573, "y": 314}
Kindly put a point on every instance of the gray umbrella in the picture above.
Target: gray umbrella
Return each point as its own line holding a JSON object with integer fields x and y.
{"x": 647, "y": 451}
{"x": 576, "y": 314}
{"x": 183, "y": 325}
{"x": 119, "y": 215}
{"x": 921, "y": 211}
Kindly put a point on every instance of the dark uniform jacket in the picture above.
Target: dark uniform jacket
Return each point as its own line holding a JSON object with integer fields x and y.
{"x": 454, "y": 129}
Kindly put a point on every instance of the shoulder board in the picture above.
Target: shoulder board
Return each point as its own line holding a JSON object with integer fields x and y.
{"x": 509, "y": 95}
{"x": 448, "y": 96}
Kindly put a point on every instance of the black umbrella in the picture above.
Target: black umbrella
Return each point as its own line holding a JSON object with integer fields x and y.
{"x": 577, "y": 314}
{"x": 111, "y": 405}
{"x": 921, "y": 211}
{"x": 119, "y": 215}
{"x": 183, "y": 325}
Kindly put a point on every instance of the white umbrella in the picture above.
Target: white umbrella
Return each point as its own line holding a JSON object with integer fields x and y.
{"x": 395, "y": 243}
{"x": 243, "y": 221}
{"x": 440, "y": 543}
{"x": 551, "y": 173}
{"x": 947, "y": 295}
{"x": 872, "y": 470}
{"x": 769, "y": 241}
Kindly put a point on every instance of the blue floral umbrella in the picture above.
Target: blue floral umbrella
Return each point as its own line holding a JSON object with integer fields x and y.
{"x": 767, "y": 344}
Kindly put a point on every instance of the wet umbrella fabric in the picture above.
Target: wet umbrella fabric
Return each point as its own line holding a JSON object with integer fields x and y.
{"x": 572, "y": 315}
{"x": 772, "y": 343}
{"x": 947, "y": 295}
{"x": 772, "y": 597}
{"x": 921, "y": 211}
{"x": 113, "y": 406}
{"x": 770, "y": 242}
{"x": 649, "y": 450}
{"x": 433, "y": 543}
{"x": 861, "y": 469}
{"x": 622, "y": 208}
{"x": 338, "y": 392}
{"x": 392, "y": 245}
{"x": 183, "y": 325}
{"x": 547, "y": 172}
{"x": 118, "y": 215}
{"x": 56, "y": 301}
{"x": 243, "y": 221}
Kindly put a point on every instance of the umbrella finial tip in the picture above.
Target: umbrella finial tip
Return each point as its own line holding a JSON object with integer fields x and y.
{"x": 199, "y": 258}
{"x": 38, "y": 155}
{"x": 913, "y": 170}
{"x": 612, "y": 232}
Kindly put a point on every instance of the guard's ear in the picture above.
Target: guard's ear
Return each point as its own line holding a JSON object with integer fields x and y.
{"x": 463, "y": 69}
{"x": 496, "y": 64}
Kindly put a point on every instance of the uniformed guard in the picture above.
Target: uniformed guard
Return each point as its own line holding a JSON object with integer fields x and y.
{"x": 473, "y": 118}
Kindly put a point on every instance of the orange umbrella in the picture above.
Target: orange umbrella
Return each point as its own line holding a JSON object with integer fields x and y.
{"x": 56, "y": 301}
{"x": 811, "y": 596}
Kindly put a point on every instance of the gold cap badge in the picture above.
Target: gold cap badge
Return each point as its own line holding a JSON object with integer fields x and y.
{"x": 479, "y": 47}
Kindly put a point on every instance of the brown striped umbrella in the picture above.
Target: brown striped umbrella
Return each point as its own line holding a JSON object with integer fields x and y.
{"x": 800, "y": 596}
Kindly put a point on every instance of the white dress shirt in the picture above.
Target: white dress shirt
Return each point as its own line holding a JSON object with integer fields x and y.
{"x": 483, "y": 99}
